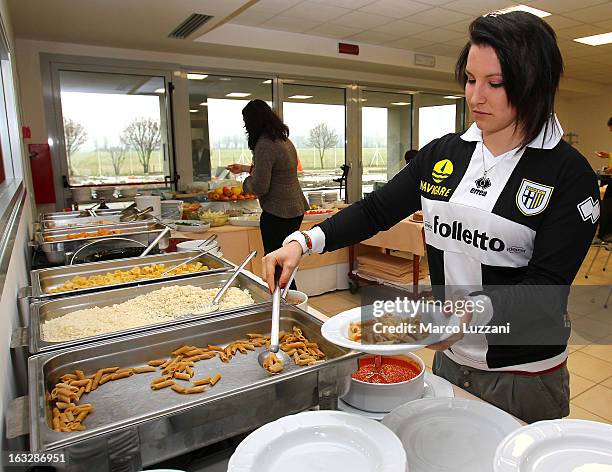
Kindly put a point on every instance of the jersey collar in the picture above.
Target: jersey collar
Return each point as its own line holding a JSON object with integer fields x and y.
{"x": 554, "y": 133}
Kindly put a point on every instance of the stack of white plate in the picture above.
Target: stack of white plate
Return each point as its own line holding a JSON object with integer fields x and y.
{"x": 330, "y": 197}
{"x": 320, "y": 441}
{"x": 315, "y": 198}
{"x": 451, "y": 434}
{"x": 557, "y": 445}
{"x": 171, "y": 209}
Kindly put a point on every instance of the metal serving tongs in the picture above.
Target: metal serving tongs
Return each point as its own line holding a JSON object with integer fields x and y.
{"x": 214, "y": 305}
{"x": 202, "y": 252}
{"x": 274, "y": 330}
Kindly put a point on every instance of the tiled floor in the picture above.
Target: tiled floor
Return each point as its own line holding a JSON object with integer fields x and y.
{"x": 590, "y": 360}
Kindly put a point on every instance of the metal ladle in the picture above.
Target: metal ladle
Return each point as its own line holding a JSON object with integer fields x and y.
{"x": 274, "y": 330}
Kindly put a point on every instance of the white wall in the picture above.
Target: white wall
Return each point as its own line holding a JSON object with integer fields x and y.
{"x": 588, "y": 118}
{"x": 16, "y": 278}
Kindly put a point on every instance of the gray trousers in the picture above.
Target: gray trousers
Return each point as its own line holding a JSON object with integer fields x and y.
{"x": 528, "y": 397}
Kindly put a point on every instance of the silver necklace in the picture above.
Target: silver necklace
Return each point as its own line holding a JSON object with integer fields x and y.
{"x": 484, "y": 182}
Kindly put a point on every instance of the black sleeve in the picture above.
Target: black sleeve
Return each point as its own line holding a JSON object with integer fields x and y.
{"x": 561, "y": 244}
{"x": 380, "y": 210}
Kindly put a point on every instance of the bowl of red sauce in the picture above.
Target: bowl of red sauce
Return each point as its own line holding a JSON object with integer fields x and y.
{"x": 381, "y": 388}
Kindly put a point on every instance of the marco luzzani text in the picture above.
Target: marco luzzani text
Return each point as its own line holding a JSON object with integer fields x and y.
{"x": 412, "y": 308}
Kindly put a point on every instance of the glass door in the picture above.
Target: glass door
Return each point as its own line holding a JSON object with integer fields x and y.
{"x": 316, "y": 117}
{"x": 217, "y": 129}
{"x": 386, "y": 136}
{"x": 114, "y": 128}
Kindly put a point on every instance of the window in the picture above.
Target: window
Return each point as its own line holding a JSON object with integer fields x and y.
{"x": 386, "y": 131}
{"x": 316, "y": 120}
{"x": 114, "y": 128}
{"x": 438, "y": 115}
{"x": 217, "y": 130}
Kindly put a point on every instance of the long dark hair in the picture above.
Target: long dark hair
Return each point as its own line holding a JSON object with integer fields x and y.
{"x": 260, "y": 119}
{"x": 531, "y": 63}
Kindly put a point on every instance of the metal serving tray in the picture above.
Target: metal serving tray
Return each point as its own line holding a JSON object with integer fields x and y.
{"x": 46, "y": 310}
{"x": 61, "y": 215}
{"x": 60, "y": 251}
{"x": 43, "y": 280}
{"x": 133, "y": 425}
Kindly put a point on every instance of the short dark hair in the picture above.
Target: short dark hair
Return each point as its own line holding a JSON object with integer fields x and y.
{"x": 531, "y": 63}
{"x": 610, "y": 121}
{"x": 260, "y": 119}
{"x": 410, "y": 154}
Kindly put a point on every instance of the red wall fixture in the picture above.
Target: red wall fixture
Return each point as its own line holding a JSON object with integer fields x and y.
{"x": 42, "y": 172}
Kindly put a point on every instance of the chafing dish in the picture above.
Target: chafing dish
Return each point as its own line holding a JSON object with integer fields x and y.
{"x": 43, "y": 280}
{"x": 135, "y": 427}
{"x": 60, "y": 249}
{"x": 63, "y": 215}
{"x": 45, "y": 310}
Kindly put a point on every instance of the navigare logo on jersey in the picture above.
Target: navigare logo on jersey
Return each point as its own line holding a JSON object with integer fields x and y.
{"x": 476, "y": 238}
{"x": 589, "y": 210}
{"x": 532, "y": 198}
{"x": 442, "y": 170}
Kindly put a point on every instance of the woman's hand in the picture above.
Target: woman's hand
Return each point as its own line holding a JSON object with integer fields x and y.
{"x": 238, "y": 168}
{"x": 603, "y": 154}
{"x": 288, "y": 257}
{"x": 464, "y": 321}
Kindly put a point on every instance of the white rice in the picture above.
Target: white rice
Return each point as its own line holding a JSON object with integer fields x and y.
{"x": 165, "y": 304}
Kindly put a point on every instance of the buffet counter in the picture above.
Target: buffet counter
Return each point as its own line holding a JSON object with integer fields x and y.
{"x": 319, "y": 273}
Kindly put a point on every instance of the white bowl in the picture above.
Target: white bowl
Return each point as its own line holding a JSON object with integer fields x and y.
{"x": 194, "y": 244}
{"x": 297, "y": 298}
{"x": 383, "y": 398}
{"x": 197, "y": 227}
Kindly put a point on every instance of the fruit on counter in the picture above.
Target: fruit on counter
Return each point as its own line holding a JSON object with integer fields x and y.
{"x": 218, "y": 191}
{"x": 236, "y": 191}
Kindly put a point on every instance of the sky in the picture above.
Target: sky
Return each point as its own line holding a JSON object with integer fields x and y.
{"x": 105, "y": 115}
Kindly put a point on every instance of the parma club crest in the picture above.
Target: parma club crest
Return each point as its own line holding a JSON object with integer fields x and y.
{"x": 532, "y": 198}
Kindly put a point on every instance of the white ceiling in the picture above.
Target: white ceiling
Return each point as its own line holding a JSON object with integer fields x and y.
{"x": 436, "y": 27}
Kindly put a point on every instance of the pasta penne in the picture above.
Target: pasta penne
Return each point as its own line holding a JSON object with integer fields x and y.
{"x": 156, "y": 362}
{"x": 194, "y": 390}
{"x": 143, "y": 370}
{"x": 160, "y": 385}
{"x": 215, "y": 379}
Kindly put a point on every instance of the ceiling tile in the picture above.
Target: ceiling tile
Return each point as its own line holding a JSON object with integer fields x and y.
{"x": 359, "y": 19}
{"x": 252, "y": 18}
{"x": 476, "y": 7}
{"x": 559, "y": 21}
{"x": 403, "y": 28}
{"x": 273, "y": 6}
{"x": 395, "y": 8}
{"x": 440, "y": 35}
{"x": 607, "y": 24}
{"x": 579, "y": 31}
{"x": 441, "y": 50}
{"x": 592, "y": 14}
{"x": 459, "y": 42}
{"x": 350, "y": 4}
{"x": 435, "y": 3}
{"x": 437, "y": 17}
{"x": 333, "y": 31}
{"x": 408, "y": 43}
{"x": 315, "y": 11}
{"x": 562, "y": 6}
{"x": 373, "y": 37}
{"x": 293, "y": 25}
{"x": 461, "y": 26}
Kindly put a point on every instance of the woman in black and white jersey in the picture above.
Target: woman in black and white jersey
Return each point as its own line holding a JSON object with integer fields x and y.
{"x": 509, "y": 211}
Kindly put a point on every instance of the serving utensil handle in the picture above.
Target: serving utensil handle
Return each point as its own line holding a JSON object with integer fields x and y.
{"x": 227, "y": 284}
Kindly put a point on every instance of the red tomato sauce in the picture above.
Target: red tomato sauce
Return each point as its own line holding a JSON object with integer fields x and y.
{"x": 391, "y": 370}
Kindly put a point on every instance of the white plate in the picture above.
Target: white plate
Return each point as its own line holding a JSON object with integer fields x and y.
{"x": 244, "y": 221}
{"x": 557, "y": 445}
{"x": 435, "y": 387}
{"x": 320, "y": 216}
{"x": 320, "y": 441}
{"x": 450, "y": 434}
{"x": 335, "y": 330}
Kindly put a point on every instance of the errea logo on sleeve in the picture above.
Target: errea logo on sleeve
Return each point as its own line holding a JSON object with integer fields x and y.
{"x": 589, "y": 210}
